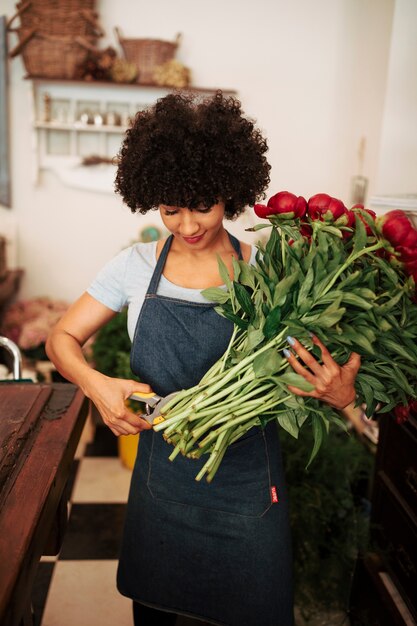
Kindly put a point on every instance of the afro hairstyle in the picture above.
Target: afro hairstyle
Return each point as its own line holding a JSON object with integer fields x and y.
{"x": 190, "y": 152}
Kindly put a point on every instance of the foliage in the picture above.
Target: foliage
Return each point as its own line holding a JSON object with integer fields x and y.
{"x": 338, "y": 287}
{"x": 111, "y": 348}
{"x": 328, "y": 519}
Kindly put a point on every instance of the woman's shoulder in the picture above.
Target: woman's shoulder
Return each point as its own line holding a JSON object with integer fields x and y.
{"x": 247, "y": 251}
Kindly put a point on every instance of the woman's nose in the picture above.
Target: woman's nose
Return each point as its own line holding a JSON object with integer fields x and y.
{"x": 189, "y": 225}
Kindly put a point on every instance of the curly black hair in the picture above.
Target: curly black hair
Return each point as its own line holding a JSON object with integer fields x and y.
{"x": 187, "y": 152}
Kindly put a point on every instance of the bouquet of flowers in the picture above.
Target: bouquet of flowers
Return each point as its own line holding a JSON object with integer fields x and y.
{"x": 341, "y": 275}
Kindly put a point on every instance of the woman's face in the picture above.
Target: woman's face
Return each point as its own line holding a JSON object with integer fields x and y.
{"x": 194, "y": 228}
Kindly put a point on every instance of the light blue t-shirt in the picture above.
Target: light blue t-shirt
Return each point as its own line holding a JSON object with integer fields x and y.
{"x": 124, "y": 281}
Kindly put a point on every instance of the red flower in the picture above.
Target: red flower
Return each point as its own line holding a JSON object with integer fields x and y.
{"x": 402, "y": 413}
{"x": 411, "y": 267}
{"x": 306, "y": 230}
{"x": 262, "y": 210}
{"x": 282, "y": 202}
{"x": 325, "y": 208}
{"x": 396, "y": 227}
{"x": 413, "y": 407}
{"x": 369, "y": 211}
{"x": 407, "y": 254}
{"x": 286, "y": 202}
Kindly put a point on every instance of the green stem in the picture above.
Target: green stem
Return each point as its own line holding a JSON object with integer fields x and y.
{"x": 353, "y": 257}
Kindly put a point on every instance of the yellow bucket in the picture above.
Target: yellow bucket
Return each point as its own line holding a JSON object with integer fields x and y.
{"x": 128, "y": 447}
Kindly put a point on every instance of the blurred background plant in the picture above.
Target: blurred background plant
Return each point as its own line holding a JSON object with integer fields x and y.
{"x": 329, "y": 513}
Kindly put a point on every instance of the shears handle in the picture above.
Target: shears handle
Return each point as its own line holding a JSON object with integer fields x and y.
{"x": 149, "y": 398}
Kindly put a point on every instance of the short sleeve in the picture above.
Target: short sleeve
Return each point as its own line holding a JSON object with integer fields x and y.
{"x": 108, "y": 287}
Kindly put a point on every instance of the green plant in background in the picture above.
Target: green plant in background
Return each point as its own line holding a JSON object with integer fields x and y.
{"x": 329, "y": 525}
{"x": 111, "y": 348}
{"x": 111, "y": 352}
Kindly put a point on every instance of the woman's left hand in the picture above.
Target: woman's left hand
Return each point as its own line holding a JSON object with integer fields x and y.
{"x": 333, "y": 384}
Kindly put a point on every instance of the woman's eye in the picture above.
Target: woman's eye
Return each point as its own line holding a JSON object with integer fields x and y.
{"x": 204, "y": 210}
{"x": 170, "y": 212}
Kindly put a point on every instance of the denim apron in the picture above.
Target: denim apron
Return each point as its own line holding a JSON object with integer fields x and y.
{"x": 218, "y": 552}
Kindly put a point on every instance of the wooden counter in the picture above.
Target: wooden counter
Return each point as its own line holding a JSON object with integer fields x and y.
{"x": 40, "y": 427}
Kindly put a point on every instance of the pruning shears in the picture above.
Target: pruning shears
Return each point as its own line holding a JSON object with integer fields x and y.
{"x": 153, "y": 405}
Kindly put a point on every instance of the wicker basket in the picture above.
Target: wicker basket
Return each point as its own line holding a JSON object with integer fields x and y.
{"x": 49, "y": 56}
{"x": 55, "y": 17}
{"x": 147, "y": 54}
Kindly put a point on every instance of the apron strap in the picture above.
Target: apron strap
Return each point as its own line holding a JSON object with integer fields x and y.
{"x": 156, "y": 276}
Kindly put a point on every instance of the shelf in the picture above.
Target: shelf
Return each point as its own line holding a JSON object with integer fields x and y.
{"x": 145, "y": 86}
{"x": 88, "y": 128}
{"x": 62, "y": 140}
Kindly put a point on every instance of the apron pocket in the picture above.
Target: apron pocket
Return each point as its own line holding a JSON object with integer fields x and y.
{"x": 241, "y": 485}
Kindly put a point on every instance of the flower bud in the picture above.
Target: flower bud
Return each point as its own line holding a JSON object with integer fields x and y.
{"x": 286, "y": 202}
{"x": 401, "y": 412}
{"x": 406, "y": 253}
{"x": 369, "y": 211}
{"x": 325, "y": 208}
{"x": 396, "y": 227}
{"x": 262, "y": 210}
{"x": 411, "y": 267}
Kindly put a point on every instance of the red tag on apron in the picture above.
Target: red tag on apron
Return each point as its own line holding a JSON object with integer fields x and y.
{"x": 274, "y": 495}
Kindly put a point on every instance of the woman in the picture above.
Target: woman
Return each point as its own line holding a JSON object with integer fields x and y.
{"x": 218, "y": 552}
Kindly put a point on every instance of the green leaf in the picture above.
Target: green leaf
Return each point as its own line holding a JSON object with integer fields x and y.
{"x": 296, "y": 380}
{"x": 333, "y": 230}
{"x": 368, "y": 218}
{"x": 272, "y": 323}
{"x": 364, "y": 292}
{"x": 254, "y": 338}
{"x": 267, "y": 363}
{"x": 318, "y": 432}
{"x": 402, "y": 380}
{"x": 392, "y": 302}
{"x": 246, "y": 276}
{"x": 352, "y": 337}
{"x": 266, "y": 293}
{"x": 283, "y": 287}
{"x": 349, "y": 279}
{"x": 244, "y": 299}
{"x": 396, "y": 348}
{"x": 257, "y": 227}
{"x": 306, "y": 285}
{"x": 224, "y": 274}
{"x": 240, "y": 323}
{"x": 366, "y": 390}
{"x": 302, "y": 416}
{"x": 354, "y": 300}
{"x": 359, "y": 237}
{"x": 372, "y": 381}
{"x": 288, "y": 422}
{"x": 273, "y": 246}
{"x": 236, "y": 268}
{"x": 216, "y": 294}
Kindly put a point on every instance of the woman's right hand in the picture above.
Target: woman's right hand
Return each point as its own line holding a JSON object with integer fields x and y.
{"x": 109, "y": 396}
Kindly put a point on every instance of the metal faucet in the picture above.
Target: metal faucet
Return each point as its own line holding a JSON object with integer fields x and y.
{"x": 16, "y": 354}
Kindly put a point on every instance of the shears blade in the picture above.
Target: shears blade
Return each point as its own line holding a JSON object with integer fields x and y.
{"x": 153, "y": 405}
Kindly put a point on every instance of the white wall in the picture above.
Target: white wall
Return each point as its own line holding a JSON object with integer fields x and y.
{"x": 397, "y": 171}
{"x": 313, "y": 74}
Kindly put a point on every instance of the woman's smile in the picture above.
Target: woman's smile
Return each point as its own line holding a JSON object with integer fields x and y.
{"x": 194, "y": 239}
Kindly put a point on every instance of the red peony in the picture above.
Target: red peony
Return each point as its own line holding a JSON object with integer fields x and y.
{"x": 396, "y": 227}
{"x": 282, "y": 202}
{"x": 369, "y": 211}
{"x": 325, "y": 208}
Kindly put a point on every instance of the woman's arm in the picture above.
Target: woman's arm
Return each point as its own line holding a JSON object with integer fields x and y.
{"x": 64, "y": 348}
{"x": 333, "y": 384}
